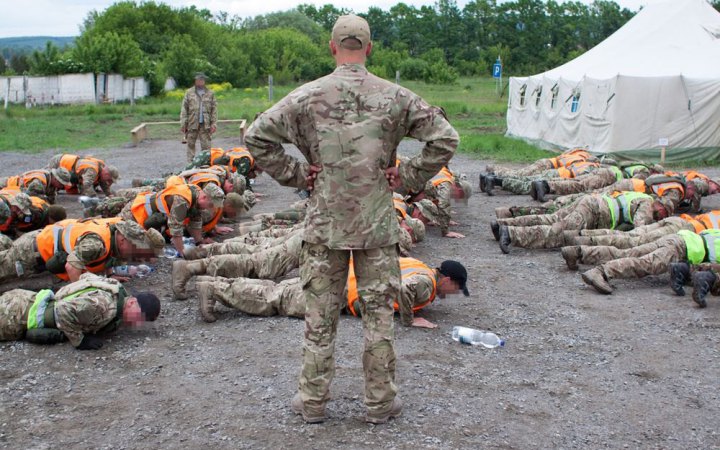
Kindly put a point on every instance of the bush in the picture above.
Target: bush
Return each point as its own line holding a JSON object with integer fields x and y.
{"x": 441, "y": 73}
{"x": 413, "y": 69}
{"x": 378, "y": 71}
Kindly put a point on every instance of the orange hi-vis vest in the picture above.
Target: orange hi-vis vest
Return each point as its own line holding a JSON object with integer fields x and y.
{"x": 6, "y": 195}
{"x": 707, "y": 221}
{"x": 68, "y": 162}
{"x": 238, "y": 153}
{"x": 200, "y": 179}
{"x": 693, "y": 175}
{"x": 661, "y": 185}
{"x": 215, "y": 153}
{"x": 14, "y": 183}
{"x": 571, "y": 157}
{"x": 147, "y": 203}
{"x": 408, "y": 267}
{"x": 638, "y": 185}
{"x": 217, "y": 215}
{"x": 90, "y": 163}
{"x": 401, "y": 206}
{"x": 63, "y": 236}
{"x": 37, "y": 204}
{"x": 40, "y": 175}
{"x": 576, "y": 169}
{"x": 444, "y": 176}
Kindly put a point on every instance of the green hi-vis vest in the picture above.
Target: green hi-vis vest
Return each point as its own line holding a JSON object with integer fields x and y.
{"x": 630, "y": 171}
{"x": 620, "y": 207}
{"x": 36, "y": 315}
{"x": 618, "y": 173}
{"x": 701, "y": 247}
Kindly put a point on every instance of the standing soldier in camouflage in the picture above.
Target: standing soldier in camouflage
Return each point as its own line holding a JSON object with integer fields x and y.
{"x": 198, "y": 116}
{"x": 348, "y": 125}
{"x": 80, "y": 312}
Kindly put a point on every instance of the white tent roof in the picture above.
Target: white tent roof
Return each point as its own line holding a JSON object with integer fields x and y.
{"x": 666, "y": 38}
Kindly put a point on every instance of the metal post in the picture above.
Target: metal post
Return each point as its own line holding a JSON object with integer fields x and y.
{"x": 7, "y": 93}
{"x": 397, "y": 77}
{"x": 270, "y": 88}
{"x": 132, "y": 93}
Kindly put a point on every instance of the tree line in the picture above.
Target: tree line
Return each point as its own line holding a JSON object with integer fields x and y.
{"x": 434, "y": 43}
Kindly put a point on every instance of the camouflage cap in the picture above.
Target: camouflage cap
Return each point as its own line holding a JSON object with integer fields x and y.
{"x": 200, "y": 76}
{"x": 405, "y": 242}
{"x": 4, "y": 212}
{"x": 155, "y": 240}
{"x": 62, "y": 175}
{"x": 238, "y": 182}
{"x": 466, "y": 187}
{"x": 114, "y": 173}
{"x": 215, "y": 193}
{"x": 417, "y": 227}
{"x": 133, "y": 233}
{"x": 428, "y": 209}
{"x": 21, "y": 201}
{"x": 353, "y": 27}
{"x": 235, "y": 201}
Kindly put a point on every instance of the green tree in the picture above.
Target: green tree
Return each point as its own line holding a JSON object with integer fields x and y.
{"x": 183, "y": 59}
{"x": 3, "y": 65}
{"x": 20, "y": 64}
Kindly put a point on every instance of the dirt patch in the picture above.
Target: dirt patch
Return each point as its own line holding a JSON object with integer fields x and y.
{"x": 637, "y": 369}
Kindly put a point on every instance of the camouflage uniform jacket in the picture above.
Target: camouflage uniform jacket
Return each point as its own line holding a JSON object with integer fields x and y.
{"x": 181, "y": 210}
{"x": 95, "y": 311}
{"x": 440, "y": 195}
{"x": 190, "y": 112}
{"x": 88, "y": 248}
{"x": 350, "y": 123}
{"x": 416, "y": 290}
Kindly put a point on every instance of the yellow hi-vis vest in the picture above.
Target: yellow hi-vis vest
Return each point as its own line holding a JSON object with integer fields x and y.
{"x": 619, "y": 204}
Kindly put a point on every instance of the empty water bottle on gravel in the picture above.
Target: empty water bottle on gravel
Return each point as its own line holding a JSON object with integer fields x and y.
{"x": 471, "y": 336}
{"x": 170, "y": 253}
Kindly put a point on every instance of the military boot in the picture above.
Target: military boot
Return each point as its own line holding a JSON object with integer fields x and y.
{"x": 207, "y": 302}
{"x": 495, "y": 228}
{"x": 597, "y": 279}
{"x": 571, "y": 255}
{"x": 503, "y": 212}
{"x": 505, "y": 240}
{"x": 539, "y": 189}
{"x": 679, "y": 276}
{"x": 569, "y": 236}
{"x": 702, "y": 284}
{"x": 394, "y": 411}
{"x": 182, "y": 272}
{"x": 298, "y": 407}
{"x": 489, "y": 184}
{"x": 196, "y": 253}
{"x": 137, "y": 182}
{"x": 482, "y": 182}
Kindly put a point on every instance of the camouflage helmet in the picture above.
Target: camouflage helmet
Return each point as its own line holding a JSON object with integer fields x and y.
{"x": 62, "y": 175}
{"x": 133, "y": 233}
{"x": 235, "y": 201}
{"x": 21, "y": 201}
{"x": 238, "y": 182}
{"x": 417, "y": 227}
{"x": 114, "y": 173}
{"x": 428, "y": 209}
{"x": 155, "y": 240}
{"x": 217, "y": 196}
{"x": 4, "y": 212}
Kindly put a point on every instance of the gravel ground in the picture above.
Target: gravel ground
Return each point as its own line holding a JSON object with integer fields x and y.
{"x": 635, "y": 369}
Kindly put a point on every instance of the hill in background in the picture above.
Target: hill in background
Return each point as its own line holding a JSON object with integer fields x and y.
{"x": 27, "y": 44}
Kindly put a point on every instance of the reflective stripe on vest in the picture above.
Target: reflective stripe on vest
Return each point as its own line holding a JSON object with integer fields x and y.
{"x": 712, "y": 244}
{"x": 444, "y": 176}
{"x": 694, "y": 245}
{"x": 36, "y": 315}
{"x": 614, "y": 208}
{"x": 401, "y": 207}
{"x": 625, "y": 199}
{"x": 618, "y": 173}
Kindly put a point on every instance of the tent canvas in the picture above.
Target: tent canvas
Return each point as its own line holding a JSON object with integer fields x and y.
{"x": 654, "y": 81}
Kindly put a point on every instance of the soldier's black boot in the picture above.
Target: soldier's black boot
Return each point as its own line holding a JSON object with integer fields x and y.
{"x": 702, "y": 283}
{"x": 489, "y": 184}
{"x": 482, "y": 182}
{"x": 539, "y": 189}
{"x": 495, "y": 227}
{"x": 505, "y": 239}
{"x": 679, "y": 277}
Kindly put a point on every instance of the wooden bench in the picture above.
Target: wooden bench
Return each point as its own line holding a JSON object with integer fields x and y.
{"x": 140, "y": 132}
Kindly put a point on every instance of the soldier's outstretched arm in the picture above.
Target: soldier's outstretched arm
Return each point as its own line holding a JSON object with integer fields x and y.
{"x": 428, "y": 124}
{"x": 270, "y": 129}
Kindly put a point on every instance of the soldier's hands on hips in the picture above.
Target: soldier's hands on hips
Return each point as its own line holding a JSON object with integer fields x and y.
{"x": 90, "y": 342}
{"x": 393, "y": 177}
{"x": 312, "y": 176}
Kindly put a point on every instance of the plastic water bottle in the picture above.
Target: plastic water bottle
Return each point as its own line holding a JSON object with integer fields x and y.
{"x": 476, "y": 337}
{"x": 88, "y": 202}
{"x": 188, "y": 242}
{"x": 141, "y": 270}
{"x": 170, "y": 253}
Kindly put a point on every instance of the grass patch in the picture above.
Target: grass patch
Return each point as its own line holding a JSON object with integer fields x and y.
{"x": 471, "y": 105}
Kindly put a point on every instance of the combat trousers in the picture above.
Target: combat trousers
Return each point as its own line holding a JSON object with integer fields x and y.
{"x": 5, "y": 242}
{"x": 259, "y": 297}
{"x": 267, "y": 264}
{"x": 22, "y": 251}
{"x": 586, "y": 213}
{"x": 520, "y": 185}
{"x": 14, "y": 307}
{"x": 597, "y": 179}
{"x": 650, "y": 233}
{"x": 673, "y": 223}
{"x": 192, "y": 136}
{"x": 324, "y": 273}
{"x": 653, "y": 258}
{"x": 535, "y": 168}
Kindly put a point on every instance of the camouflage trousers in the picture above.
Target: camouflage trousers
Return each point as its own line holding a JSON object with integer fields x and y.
{"x": 22, "y": 251}
{"x": 520, "y": 185}
{"x": 535, "y": 168}
{"x": 192, "y": 136}
{"x": 597, "y": 179}
{"x": 14, "y": 308}
{"x": 5, "y": 242}
{"x": 641, "y": 235}
{"x": 258, "y": 297}
{"x": 652, "y": 258}
{"x": 270, "y": 263}
{"x": 324, "y": 273}
{"x": 547, "y": 231}
{"x": 673, "y": 223}
{"x": 202, "y": 159}
{"x": 107, "y": 207}
{"x": 249, "y": 244}
{"x": 549, "y": 207}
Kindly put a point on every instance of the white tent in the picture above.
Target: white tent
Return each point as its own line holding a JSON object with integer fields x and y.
{"x": 655, "y": 82}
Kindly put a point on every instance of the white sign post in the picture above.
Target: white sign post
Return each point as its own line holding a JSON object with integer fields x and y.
{"x": 663, "y": 143}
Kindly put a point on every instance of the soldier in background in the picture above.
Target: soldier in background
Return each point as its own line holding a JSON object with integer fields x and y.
{"x": 198, "y": 116}
{"x": 348, "y": 125}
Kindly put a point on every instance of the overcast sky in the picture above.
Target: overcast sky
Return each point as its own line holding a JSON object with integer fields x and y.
{"x": 63, "y": 17}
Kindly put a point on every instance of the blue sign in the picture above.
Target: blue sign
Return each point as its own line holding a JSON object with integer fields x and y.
{"x": 497, "y": 70}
